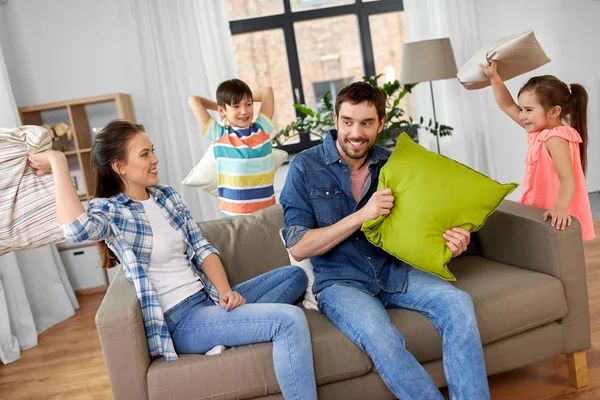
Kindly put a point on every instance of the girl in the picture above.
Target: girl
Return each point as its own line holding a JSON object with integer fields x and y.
{"x": 187, "y": 303}
{"x": 554, "y": 114}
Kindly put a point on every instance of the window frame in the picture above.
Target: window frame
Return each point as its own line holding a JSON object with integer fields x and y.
{"x": 286, "y": 22}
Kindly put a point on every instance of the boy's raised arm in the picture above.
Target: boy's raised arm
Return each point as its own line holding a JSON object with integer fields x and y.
{"x": 267, "y": 99}
{"x": 199, "y": 105}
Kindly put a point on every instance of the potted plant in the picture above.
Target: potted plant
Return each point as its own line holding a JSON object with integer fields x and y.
{"x": 319, "y": 122}
{"x": 62, "y": 135}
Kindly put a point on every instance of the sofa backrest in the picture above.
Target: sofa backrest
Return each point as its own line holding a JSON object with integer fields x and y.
{"x": 249, "y": 245}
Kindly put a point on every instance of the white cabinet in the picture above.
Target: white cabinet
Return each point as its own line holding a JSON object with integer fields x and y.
{"x": 82, "y": 265}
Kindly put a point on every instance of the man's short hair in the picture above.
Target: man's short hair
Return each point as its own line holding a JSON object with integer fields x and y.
{"x": 357, "y": 92}
{"x": 232, "y": 92}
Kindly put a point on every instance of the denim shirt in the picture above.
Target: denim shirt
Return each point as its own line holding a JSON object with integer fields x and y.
{"x": 318, "y": 193}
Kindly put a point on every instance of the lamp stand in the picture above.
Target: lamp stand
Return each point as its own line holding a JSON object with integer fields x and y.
{"x": 437, "y": 136}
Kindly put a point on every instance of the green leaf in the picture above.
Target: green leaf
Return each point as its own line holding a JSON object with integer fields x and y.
{"x": 327, "y": 101}
{"x": 304, "y": 109}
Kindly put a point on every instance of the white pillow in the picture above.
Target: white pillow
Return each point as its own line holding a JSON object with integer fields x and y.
{"x": 517, "y": 54}
{"x": 310, "y": 303}
{"x": 204, "y": 174}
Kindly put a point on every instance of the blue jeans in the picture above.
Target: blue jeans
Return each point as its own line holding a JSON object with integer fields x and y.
{"x": 364, "y": 320}
{"x": 196, "y": 325}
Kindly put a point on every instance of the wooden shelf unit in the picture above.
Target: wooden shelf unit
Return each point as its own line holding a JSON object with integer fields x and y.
{"x": 83, "y": 115}
{"x": 76, "y": 113}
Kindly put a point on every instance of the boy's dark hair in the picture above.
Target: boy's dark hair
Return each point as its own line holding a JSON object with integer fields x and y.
{"x": 357, "y": 92}
{"x": 232, "y": 91}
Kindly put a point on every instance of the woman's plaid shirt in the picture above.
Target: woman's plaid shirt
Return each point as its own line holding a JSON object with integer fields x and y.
{"x": 122, "y": 223}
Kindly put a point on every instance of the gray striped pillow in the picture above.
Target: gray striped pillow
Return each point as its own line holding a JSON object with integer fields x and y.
{"x": 27, "y": 203}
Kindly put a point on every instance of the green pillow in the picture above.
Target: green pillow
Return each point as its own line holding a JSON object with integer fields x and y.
{"x": 432, "y": 194}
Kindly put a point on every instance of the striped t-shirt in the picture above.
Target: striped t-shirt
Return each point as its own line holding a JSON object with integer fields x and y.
{"x": 245, "y": 165}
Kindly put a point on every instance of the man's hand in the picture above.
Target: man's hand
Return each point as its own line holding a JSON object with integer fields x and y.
{"x": 457, "y": 240}
{"x": 231, "y": 300}
{"x": 379, "y": 204}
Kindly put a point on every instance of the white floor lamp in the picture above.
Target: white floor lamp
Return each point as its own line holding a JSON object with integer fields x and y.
{"x": 428, "y": 60}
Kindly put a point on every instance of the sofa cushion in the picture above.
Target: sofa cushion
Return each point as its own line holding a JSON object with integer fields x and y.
{"x": 240, "y": 372}
{"x": 249, "y": 245}
{"x": 309, "y": 302}
{"x": 336, "y": 357}
{"x": 507, "y": 299}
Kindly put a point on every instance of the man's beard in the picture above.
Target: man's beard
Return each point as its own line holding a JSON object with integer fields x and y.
{"x": 348, "y": 152}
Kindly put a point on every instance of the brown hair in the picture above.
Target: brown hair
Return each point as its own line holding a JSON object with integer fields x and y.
{"x": 110, "y": 144}
{"x": 572, "y": 99}
{"x": 357, "y": 92}
{"x": 232, "y": 92}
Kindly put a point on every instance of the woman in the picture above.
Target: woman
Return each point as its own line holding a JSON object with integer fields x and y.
{"x": 186, "y": 300}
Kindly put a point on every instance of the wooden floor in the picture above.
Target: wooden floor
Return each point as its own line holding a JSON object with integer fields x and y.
{"x": 68, "y": 364}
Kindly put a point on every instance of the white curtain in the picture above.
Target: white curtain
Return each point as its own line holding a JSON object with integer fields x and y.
{"x": 9, "y": 117}
{"x": 455, "y": 106}
{"x": 186, "y": 48}
{"x": 35, "y": 292}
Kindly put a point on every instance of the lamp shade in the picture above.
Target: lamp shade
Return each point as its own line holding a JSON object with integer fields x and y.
{"x": 427, "y": 60}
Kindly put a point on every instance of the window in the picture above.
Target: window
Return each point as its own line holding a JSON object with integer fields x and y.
{"x": 302, "y": 5}
{"x": 262, "y": 61}
{"x": 321, "y": 88}
{"x": 305, "y": 48}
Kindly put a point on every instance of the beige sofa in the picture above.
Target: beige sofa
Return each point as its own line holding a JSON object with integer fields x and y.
{"x": 527, "y": 280}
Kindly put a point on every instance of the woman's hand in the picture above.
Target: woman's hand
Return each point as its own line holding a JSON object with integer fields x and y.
{"x": 231, "y": 300}
{"x": 42, "y": 162}
{"x": 559, "y": 219}
{"x": 68, "y": 205}
{"x": 490, "y": 71}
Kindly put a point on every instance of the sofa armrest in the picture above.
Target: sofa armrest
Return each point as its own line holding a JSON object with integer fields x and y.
{"x": 516, "y": 235}
{"x": 122, "y": 336}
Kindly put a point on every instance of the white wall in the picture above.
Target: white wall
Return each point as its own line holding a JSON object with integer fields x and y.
{"x": 67, "y": 49}
{"x": 570, "y": 35}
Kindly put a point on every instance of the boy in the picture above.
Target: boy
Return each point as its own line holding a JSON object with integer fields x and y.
{"x": 242, "y": 148}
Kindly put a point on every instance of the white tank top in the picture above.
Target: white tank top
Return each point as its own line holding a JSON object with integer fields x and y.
{"x": 169, "y": 271}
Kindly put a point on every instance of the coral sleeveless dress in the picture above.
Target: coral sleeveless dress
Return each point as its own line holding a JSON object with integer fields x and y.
{"x": 540, "y": 188}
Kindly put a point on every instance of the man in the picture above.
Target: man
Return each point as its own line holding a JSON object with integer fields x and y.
{"x": 331, "y": 189}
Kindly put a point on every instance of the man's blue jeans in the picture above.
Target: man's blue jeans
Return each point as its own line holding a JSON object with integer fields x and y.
{"x": 197, "y": 325}
{"x": 364, "y": 320}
